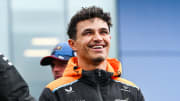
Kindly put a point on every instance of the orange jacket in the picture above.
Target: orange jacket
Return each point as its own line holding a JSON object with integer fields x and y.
{"x": 71, "y": 74}
{"x": 77, "y": 85}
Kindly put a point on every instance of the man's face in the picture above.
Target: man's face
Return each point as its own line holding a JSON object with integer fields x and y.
{"x": 92, "y": 40}
{"x": 58, "y": 67}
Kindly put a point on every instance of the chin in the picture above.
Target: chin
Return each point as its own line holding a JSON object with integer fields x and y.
{"x": 98, "y": 60}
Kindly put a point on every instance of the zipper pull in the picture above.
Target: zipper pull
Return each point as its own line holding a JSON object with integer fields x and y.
{"x": 99, "y": 73}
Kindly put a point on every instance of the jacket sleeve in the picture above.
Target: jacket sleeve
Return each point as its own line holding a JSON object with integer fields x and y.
{"x": 12, "y": 85}
{"x": 47, "y": 95}
{"x": 140, "y": 96}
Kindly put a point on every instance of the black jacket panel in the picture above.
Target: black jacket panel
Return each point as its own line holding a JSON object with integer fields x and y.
{"x": 94, "y": 85}
{"x": 12, "y": 85}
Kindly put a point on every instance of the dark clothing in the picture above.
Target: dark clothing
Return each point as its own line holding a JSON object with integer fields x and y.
{"x": 12, "y": 85}
{"x": 96, "y": 85}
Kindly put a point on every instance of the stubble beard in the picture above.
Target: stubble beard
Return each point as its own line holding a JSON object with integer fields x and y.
{"x": 98, "y": 60}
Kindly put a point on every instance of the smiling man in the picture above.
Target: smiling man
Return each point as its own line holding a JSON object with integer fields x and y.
{"x": 92, "y": 43}
{"x": 91, "y": 76}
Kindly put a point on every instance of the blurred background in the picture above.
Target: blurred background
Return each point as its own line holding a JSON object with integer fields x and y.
{"x": 145, "y": 38}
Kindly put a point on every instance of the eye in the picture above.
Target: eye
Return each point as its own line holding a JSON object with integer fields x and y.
{"x": 87, "y": 33}
{"x": 104, "y": 32}
{"x": 64, "y": 64}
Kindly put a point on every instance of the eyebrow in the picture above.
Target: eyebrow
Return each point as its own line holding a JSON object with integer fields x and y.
{"x": 104, "y": 29}
{"x": 88, "y": 29}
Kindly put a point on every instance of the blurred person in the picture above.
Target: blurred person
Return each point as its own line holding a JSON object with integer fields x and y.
{"x": 12, "y": 85}
{"x": 58, "y": 59}
{"x": 91, "y": 76}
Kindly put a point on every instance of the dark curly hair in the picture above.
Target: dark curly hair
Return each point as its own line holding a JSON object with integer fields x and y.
{"x": 84, "y": 14}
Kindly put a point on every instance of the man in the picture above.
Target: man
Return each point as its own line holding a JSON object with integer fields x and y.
{"x": 58, "y": 59}
{"x": 12, "y": 85}
{"x": 91, "y": 76}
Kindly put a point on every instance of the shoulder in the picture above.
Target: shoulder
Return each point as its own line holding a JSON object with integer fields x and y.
{"x": 126, "y": 82}
{"x": 128, "y": 86}
{"x": 61, "y": 82}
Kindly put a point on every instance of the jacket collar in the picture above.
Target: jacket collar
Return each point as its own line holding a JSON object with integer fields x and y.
{"x": 72, "y": 69}
{"x": 96, "y": 76}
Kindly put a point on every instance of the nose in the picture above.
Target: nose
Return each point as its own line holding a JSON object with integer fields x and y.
{"x": 56, "y": 69}
{"x": 97, "y": 37}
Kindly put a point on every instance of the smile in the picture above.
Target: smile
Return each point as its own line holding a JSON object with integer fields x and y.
{"x": 97, "y": 46}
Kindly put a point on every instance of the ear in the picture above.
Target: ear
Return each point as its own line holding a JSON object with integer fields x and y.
{"x": 72, "y": 44}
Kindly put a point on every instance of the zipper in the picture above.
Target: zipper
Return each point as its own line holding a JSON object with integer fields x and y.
{"x": 98, "y": 87}
{"x": 99, "y": 93}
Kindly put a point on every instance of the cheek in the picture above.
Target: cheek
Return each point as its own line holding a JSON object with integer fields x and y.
{"x": 53, "y": 72}
{"x": 62, "y": 69}
{"x": 108, "y": 38}
{"x": 108, "y": 41}
{"x": 80, "y": 44}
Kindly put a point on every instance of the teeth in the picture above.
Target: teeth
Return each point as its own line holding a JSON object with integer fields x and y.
{"x": 97, "y": 47}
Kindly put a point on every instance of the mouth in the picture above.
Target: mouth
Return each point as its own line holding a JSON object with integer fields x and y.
{"x": 58, "y": 76}
{"x": 97, "y": 46}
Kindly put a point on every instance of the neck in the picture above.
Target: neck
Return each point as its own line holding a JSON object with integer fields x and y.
{"x": 89, "y": 65}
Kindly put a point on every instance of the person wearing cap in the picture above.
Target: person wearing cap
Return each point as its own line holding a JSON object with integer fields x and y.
{"x": 58, "y": 59}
